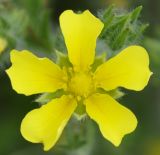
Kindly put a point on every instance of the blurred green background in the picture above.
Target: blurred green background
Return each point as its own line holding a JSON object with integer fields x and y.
{"x": 33, "y": 25}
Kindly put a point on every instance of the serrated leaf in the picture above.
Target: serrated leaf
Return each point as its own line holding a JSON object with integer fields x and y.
{"x": 136, "y": 13}
{"x": 123, "y": 29}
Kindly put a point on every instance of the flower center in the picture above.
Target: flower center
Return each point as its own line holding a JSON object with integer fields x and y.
{"x": 81, "y": 84}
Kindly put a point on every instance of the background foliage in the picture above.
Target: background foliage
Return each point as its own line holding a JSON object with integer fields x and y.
{"x": 33, "y": 25}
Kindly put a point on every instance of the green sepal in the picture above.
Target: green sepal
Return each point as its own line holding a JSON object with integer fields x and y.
{"x": 47, "y": 97}
{"x": 80, "y": 117}
{"x": 115, "y": 93}
{"x": 98, "y": 61}
{"x": 80, "y": 111}
{"x": 62, "y": 59}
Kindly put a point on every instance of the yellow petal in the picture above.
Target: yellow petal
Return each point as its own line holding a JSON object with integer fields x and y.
{"x": 45, "y": 125}
{"x": 114, "y": 120}
{"x": 30, "y": 74}
{"x": 80, "y": 32}
{"x": 129, "y": 69}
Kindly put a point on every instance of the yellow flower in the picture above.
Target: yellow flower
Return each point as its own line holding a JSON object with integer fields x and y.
{"x": 31, "y": 75}
{"x": 3, "y": 44}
